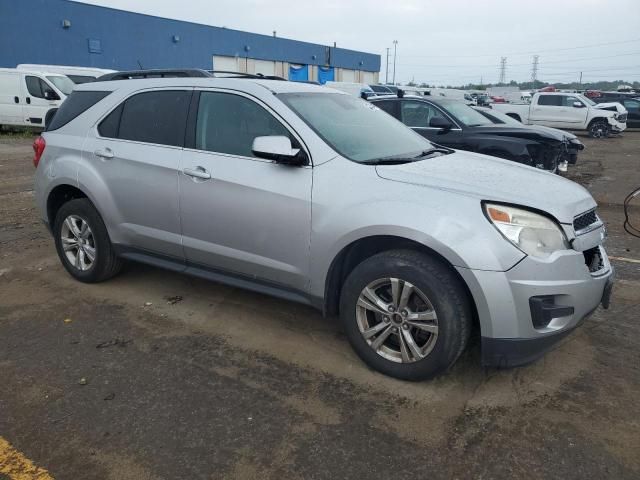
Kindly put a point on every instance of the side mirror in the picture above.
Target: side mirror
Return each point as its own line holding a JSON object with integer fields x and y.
{"x": 440, "y": 122}
{"x": 278, "y": 148}
{"x": 578, "y": 104}
{"x": 51, "y": 95}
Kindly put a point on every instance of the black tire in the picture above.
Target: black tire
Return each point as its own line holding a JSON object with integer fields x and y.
{"x": 446, "y": 294}
{"x": 106, "y": 263}
{"x": 599, "y": 129}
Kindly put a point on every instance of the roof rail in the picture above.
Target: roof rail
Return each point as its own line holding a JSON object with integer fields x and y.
{"x": 154, "y": 73}
{"x": 245, "y": 75}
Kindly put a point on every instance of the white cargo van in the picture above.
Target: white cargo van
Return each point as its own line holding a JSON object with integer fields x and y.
{"x": 26, "y": 97}
{"x": 76, "y": 74}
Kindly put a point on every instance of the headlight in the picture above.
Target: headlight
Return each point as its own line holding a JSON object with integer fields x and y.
{"x": 534, "y": 234}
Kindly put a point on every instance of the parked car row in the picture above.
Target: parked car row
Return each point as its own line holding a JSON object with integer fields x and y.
{"x": 456, "y": 125}
{"x": 313, "y": 195}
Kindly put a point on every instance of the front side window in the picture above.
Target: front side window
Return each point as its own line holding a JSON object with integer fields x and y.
{"x": 569, "y": 100}
{"x": 419, "y": 114}
{"x": 550, "y": 100}
{"x": 229, "y": 123}
{"x": 632, "y": 105}
{"x": 356, "y": 129}
{"x": 35, "y": 86}
{"x": 158, "y": 117}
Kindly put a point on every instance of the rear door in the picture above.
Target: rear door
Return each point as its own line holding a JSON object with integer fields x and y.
{"x": 11, "y": 99}
{"x": 241, "y": 214}
{"x": 135, "y": 153}
{"x": 546, "y": 110}
{"x": 36, "y": 106}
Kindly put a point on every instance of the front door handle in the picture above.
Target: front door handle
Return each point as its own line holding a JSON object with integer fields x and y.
{"x": 16, "y": 100}
{"x": 198, "y": 172}
{"x": 107, "y": 153}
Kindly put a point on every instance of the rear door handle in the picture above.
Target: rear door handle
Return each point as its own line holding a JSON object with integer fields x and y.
{"x": 198, "y": 172}
{"x": 107, "y": 153}
{"x": 16, "y": 100}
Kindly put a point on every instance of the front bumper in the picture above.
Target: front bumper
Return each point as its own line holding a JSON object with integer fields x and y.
{"x": 617, "y": 126}
{"x": 511, "y": 333}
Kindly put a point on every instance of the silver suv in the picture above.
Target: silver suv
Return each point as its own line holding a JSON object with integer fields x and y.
{"x": 309, "y": 194}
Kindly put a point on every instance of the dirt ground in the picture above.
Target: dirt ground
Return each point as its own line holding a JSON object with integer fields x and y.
{"x": 156, "y": 375}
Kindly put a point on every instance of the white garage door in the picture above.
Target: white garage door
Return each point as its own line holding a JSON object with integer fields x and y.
{"x": 368, "y": 78}
{"x": 265, "y": 67}
{"x": 348, "y": 75}
{"x": 226, "y": 64}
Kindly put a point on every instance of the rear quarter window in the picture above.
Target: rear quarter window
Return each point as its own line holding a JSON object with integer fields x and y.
{"x": 74, "y": 105}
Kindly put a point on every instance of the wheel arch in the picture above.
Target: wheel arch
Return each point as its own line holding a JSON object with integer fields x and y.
{"x": 60, "y": 195}
{"x": 355, "y": 252}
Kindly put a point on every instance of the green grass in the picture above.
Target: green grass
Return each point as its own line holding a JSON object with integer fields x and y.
{"x": 19, "y": 133}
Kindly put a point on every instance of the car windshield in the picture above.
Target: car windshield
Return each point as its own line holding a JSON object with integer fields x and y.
{"x": 356, "y": 129}
{"x": 465, "y": 114}
{"x": 587, "y": 100}
{"x": 62, "y": 83}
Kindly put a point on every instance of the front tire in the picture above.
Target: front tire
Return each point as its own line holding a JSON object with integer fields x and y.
{"x": 406, "y": 314}
{"x": 83, "y": 244}
{"x": 599, "y": 129}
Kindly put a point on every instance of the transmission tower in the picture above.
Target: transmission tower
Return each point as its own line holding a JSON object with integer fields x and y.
{"x": 534, "y": 68}
{"x": 503, "y": 69}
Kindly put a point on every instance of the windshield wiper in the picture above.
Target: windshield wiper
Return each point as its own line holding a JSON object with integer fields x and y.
{"x": 388, "y": 161}
{"x": 431, "y": 151}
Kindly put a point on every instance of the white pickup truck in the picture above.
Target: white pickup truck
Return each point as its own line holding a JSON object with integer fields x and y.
{"x": 570, "y": 111}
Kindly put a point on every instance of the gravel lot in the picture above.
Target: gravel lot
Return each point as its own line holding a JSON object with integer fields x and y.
{"x": 157, "y": 375}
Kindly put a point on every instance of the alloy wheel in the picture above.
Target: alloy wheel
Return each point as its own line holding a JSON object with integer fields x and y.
{"x": 78, "y": 242}
{"x": 397, "y": 320}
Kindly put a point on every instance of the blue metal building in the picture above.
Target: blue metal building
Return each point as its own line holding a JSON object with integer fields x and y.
{"x": 63, "y": 32}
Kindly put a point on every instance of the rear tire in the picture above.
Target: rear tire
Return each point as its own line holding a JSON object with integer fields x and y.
{"x": 433, "y": 323}
{"x": 83, "y": 244}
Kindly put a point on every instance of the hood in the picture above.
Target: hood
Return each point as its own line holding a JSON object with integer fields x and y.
{"x": 613, "y": 106}
{"x": 525, "y": 132}
{"x": 554, "y": 131}
{"x": 490, "y": 178}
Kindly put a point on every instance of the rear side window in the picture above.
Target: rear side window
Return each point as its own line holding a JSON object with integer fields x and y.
{"x": 74, "y": 105}
{"x": 152, "y": 117}
{"x": 550, "y": 100}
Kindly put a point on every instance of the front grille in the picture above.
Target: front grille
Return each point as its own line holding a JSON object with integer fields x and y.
{"x": 593, "y": 259}
{"x": 622, "y": 118}
{"x": 584, "y": 221}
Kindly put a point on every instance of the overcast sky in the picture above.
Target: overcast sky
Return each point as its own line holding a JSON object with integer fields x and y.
{"x": 443, "y": 41}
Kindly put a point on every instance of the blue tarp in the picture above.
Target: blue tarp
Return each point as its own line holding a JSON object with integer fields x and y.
{"x": 298, "y": 73}
{"x": 325, "y": 74}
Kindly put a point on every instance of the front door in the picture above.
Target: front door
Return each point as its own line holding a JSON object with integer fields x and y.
{"x": 241, "y": 214}
{"x": 34, "y": 104}
{"x": 135, "y": 153}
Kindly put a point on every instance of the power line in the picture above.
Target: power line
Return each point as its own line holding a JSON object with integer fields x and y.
{"x": 530, "y": 51}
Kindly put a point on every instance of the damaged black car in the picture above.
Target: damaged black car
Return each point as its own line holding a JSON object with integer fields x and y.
{"x": 454, "y": 124}
{"x": 573, "y": 144}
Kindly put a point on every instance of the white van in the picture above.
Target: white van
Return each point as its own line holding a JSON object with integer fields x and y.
{"x": 76, "y": 74}
{"x": 26, "y": 97}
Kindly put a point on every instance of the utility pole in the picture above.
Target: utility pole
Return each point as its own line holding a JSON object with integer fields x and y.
{"x": 386, "y": 75}
{"x": 395, "y": 50}
{"x": 503, "y": 69}
{"x": 534, "y": 70}
{"x": 580, "y": 79}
